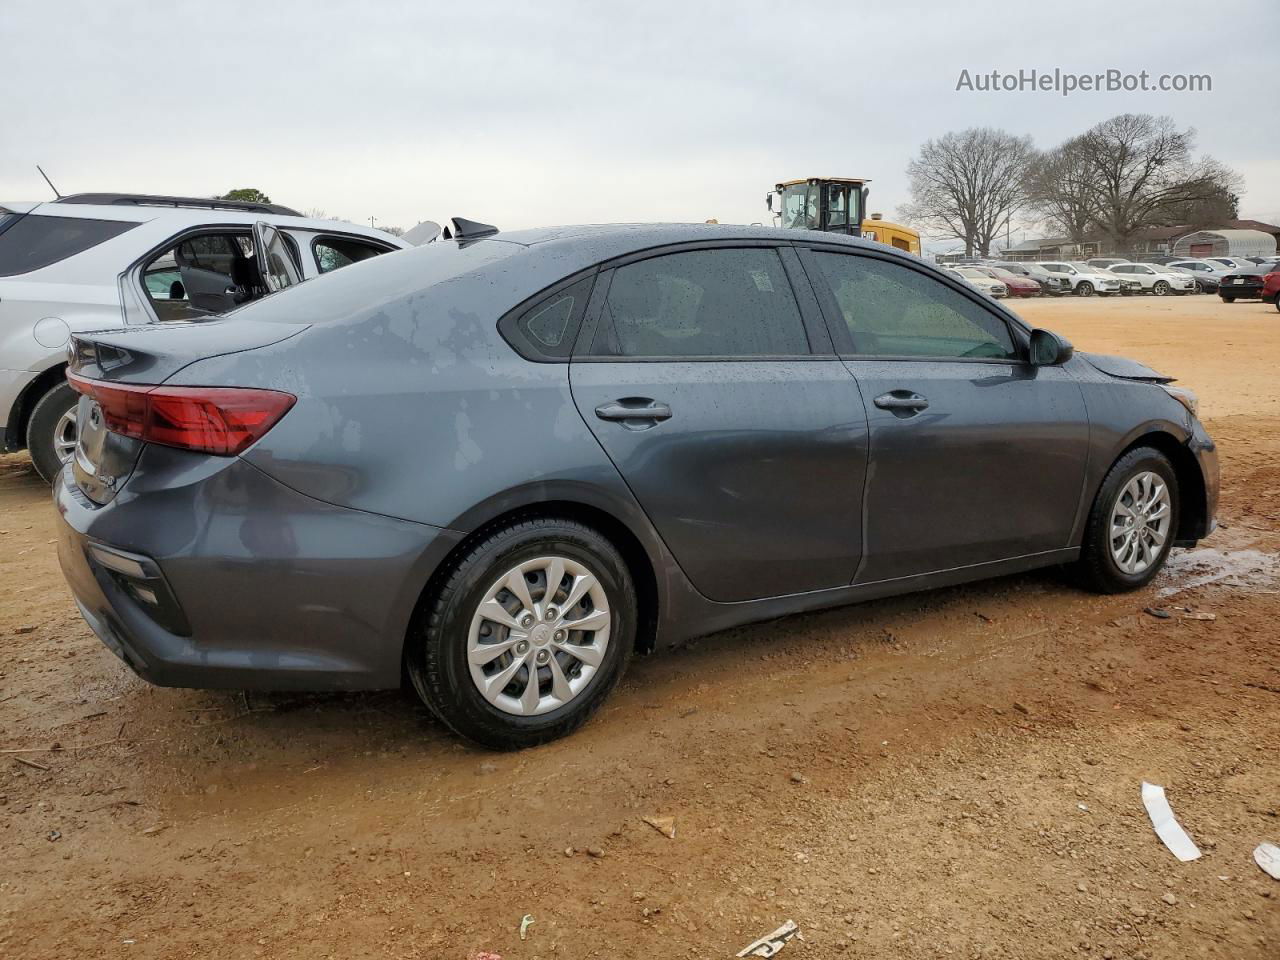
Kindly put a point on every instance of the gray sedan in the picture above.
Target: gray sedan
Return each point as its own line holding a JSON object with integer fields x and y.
{"x": 501, "y": 463}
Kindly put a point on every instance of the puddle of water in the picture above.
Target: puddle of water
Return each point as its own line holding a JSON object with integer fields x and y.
{"x": 1189, "y": 569}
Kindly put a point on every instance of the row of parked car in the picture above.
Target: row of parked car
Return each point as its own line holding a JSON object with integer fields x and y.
{"x": 1232, "y": 278}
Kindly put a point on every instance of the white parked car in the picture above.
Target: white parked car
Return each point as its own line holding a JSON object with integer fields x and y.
{"x": 976, "y": 278}
{"x": 1156, "y": 279}
{"x": 94, "y": 261}
{"x": 1085, "y": 280}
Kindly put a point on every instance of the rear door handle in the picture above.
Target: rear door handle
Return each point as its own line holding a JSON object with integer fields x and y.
{"x": 903, "y": 400}
{"x": 634, "y": 411}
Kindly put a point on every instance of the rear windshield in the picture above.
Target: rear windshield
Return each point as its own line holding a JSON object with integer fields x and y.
{"x": 342, "y": 294}
{"x": 30, "y": 242}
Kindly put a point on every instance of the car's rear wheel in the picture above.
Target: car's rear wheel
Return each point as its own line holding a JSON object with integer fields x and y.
{"x": 1160, "y": 288}
{"x": 1132, "y": 524}
{"x": 1228, "y": 299}
{"x": 1084, "y": 289}
{"x": 51, "y": 431}
{"x": 528, "y": 634}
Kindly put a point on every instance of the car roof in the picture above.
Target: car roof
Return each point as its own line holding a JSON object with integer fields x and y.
{"x": 604, "y": 241}
{"x": 181, "y": 216}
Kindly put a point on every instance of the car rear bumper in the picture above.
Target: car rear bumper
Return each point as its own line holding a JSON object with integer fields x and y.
{"x": 205, "y": 572}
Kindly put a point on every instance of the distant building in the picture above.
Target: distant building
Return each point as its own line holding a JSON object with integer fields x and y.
{"x": 1051, "y": 248}
{"x": 1250, "y": 238}
{"x": 1224, "y": 243}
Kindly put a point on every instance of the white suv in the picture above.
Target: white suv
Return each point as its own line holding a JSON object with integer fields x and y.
{"x": 106, "y": 260}
{"x": 1085, "y": 280}
{"x": 1156, "y": 279}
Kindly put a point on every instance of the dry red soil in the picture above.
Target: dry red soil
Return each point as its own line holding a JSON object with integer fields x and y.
{"x": 955, "y": 773}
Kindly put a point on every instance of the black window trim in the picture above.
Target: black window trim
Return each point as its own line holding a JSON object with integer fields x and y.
{"x": 820, "y": 347}
{"x": 529, "y": 349}
{"x": 1019, "y": 333}
{"x": 338, "y": 235}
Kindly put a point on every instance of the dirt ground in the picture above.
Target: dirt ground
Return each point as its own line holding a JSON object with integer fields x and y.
{"x": 952, "y": 774}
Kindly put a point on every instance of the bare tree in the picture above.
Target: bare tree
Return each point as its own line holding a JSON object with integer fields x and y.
{"x": 1143, "y": 172}
{"x": 969, "y": 184}
{"x": 1062, "y": 189}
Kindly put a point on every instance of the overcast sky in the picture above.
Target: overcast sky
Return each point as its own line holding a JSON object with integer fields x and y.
{"x": 523, "y": 114}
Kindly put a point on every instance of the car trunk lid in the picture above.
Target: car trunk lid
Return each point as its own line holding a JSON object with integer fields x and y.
{"x": 128, "y": 362}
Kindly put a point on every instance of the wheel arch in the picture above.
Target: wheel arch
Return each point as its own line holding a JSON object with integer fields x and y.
{"x": 20, "y": 414}
{"x": 1193, "y": 504}
{"x": 643, "y": 559}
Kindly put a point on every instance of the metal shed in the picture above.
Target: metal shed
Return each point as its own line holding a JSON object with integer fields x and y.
{"x": 1225, "y": 243}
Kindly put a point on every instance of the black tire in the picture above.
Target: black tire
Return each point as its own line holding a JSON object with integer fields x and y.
{"x": 437, "y": 654}
{"x": 1084, "y": 289}
{"x": 1097, "y": 569}
{"x": 1198, "y": 288}
{"x": 41, "y": 441}
{"x": 1160, "y": 288}
{"x": 1228, "y": 299}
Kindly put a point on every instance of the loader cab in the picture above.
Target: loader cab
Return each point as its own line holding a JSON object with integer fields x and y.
{"x": 828, "y": 204}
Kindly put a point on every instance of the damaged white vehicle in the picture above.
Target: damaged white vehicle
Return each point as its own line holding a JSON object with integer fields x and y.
{"x": 95, "y": 261}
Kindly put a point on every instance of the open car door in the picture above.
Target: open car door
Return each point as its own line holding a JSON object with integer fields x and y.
{"x": 425, "y": 232}
{"x": 275, "y": 261}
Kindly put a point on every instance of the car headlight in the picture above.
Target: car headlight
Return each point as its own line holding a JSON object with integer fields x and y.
{"x": 1185, "y": 397}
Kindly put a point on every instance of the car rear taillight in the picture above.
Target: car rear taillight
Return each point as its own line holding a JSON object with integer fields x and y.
{"x": 223, "y": 421}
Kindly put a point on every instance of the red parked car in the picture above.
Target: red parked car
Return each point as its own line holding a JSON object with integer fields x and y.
{"x": 1271, "y": 288}
{"x": 1018, "y": 286}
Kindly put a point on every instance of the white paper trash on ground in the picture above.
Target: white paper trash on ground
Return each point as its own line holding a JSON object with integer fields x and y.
{"x": 1267, "y": 856}
{"x": 1166, "y": 826}
{"x": 770, "y": 944}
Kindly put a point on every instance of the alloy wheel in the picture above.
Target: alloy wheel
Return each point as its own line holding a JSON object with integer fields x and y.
{"x": 1140, "y": 521}
{"x": 1160, "y": 288}
{"x": 539, "y": 635}
{"x": 65, "y": 432}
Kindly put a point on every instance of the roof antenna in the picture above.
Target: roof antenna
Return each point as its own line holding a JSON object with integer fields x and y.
{"x": 49, "y": 182}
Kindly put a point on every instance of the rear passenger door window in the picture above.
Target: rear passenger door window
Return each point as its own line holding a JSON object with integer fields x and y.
{"x": 892, "y": 310}
{"x": 201, "y": 274}
{"x": 334, "y": 252}
{"x": 734, "y": 302}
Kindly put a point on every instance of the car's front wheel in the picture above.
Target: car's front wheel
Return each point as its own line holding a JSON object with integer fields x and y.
{"x": 1133, "y": 523}
{"x": 51, "y": 431}
{"x": 1226, "y": 299}
{"x": 1084, "y": 289}
{"x": 528, "y": 634}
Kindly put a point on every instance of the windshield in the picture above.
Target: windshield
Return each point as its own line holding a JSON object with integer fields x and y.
{"x": 799, "y": 207}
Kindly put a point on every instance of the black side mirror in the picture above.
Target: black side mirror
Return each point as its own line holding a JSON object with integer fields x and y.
{"x": 768, "y": 201}
{"x": 1048, "y": 349}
